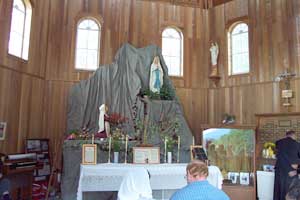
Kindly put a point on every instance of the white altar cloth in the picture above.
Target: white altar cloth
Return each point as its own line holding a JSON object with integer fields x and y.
{"x": 108, "y": 176}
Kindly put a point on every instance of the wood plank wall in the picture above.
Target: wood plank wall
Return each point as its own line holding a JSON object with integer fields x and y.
{"x": 34, "y": 94}
{"x": 22, "y": 83}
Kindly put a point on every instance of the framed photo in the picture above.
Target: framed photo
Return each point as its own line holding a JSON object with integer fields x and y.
{"x": 244, "y": 178}
{"x": 198, "y": 153}
{"x": 33, "y": 145}
{"x": 2, "y": 130}
{"x": 89, "y": 154}
{"x": 233, "y": 176}
{"x": 146, "y": 155}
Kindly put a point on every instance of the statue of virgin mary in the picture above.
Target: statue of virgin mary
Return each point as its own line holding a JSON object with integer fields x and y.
{"x": 156, "y": 76}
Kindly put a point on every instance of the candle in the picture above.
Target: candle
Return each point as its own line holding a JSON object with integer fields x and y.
{"x": 126, "y": 144}
{"x": 178, "y": 149}
{"x": 165, "y": 149}
{"x": 92, "y": 138}
{"x": 109, "y": 149}
{"x": 193, "y": 141}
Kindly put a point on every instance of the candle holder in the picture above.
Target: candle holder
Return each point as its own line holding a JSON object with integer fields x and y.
{"x": 109, "y": 149}
{"x": 178, "y": 148}
{"x": 126, "y": 145}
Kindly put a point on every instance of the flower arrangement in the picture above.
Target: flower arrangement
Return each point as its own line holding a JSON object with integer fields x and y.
{"x": 117, "y": 138}
{"x": 116, "y": 121}
{"x": 267, "y": 145}
{"x": 268, "y": 151}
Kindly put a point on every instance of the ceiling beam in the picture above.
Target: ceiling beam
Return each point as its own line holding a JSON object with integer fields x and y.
{"x": 205, "y": 4}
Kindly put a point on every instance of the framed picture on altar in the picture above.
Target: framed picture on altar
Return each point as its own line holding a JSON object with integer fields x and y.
{"x": 89, "y": 154}
{"x": 146, "y": 155}
{"x": 198, "y": 153}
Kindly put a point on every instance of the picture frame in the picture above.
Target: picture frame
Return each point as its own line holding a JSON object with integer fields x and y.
{"x": 198, "y": 153}
{"x": 37, "y": 145}
{"x": 244, "y": 178}
{"x": 89, "y": 154}
{"x": 146, "y": 155}
{"x": 233, "y": 176}
{"x": 2, "y": 130}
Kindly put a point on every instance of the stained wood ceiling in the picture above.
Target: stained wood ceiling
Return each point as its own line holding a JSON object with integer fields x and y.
{"x": 205, "y": 4}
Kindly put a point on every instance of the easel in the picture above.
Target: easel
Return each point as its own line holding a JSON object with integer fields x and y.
{"x": 52, "y": 178}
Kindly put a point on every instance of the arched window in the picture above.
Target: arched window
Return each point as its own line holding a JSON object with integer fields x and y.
{"x": 172, "y": 50}
{"x": 238, "y": 49}
{"x": 88, "y": 44}
{"x": 20, "y": 29}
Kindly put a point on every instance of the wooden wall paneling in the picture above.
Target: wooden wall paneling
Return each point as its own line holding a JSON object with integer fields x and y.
{"x": 36, "y": 103}
{"x": 10, "y": 90}
{"x": 24, "y": 112}
{"x": 194, "y": 105}
{"x": 55, "y": 112}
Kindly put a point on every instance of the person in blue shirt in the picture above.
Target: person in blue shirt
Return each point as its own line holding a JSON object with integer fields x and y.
{"x": 198, "y": 187}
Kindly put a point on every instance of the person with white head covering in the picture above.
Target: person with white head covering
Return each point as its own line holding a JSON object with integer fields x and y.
{"x": 156, "y": 76}
{"x": 136, "y": 186}
{"x": 104, "y": 127}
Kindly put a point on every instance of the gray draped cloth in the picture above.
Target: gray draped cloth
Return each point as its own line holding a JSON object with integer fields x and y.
{"x": 117, "y": 85}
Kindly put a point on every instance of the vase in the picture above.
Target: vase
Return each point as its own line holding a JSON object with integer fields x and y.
{"x": 169, "y": 157}
{"x": 116, "y": 157}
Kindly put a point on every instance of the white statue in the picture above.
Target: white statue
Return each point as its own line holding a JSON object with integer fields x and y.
{"x": 156, "y": 76}
{"x": 214, "y": 52}
{"x": 104, "y": 126}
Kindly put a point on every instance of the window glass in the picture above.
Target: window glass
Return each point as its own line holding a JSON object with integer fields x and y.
{"x": 87, "y": 45}
{"x": 239, "y": 49}
{"x": 20, "y": 29}
{"x": 172, "y": 50}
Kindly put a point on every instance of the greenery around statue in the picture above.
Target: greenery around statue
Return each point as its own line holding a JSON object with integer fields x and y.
{"x": 166, "y": 93}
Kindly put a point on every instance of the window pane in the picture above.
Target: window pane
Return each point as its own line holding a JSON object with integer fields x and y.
{"x": 19, "y": 5}
{"x": 93, "y": 40}
{"x": 17, "y": 22}
{"x": 81, "y": 58}
{"x": 82, "y": 36}
{"x": 26, "y": 38}
{"x": 172, "y": 51}
{"x": 240, "y": 63}
{"x": 15, "y": 44}
{"x": 239, "y": 49}
{"x": 20, "y": 29}
{"x": 240, "y": 28}
{"x": 87, "y": 45}
{"x": 92, "y": 59}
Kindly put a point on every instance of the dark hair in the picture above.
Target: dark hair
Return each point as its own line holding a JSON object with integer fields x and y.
{"x": 289, "y": 132}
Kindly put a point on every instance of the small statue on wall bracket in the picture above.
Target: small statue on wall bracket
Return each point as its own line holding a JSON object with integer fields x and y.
{"x": 214, "y": 53}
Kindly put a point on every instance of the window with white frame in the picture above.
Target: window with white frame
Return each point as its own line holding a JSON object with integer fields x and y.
{"x": 238, "y": 49}
{"x": 88, "y": 44}
{"x": 20, "y": 29}
{"x": 172, "y": 50}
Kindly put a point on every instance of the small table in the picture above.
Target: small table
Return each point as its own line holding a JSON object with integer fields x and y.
{"x": 108, "y": 177}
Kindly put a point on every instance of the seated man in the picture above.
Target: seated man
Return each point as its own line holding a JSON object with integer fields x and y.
{"x": 136, "y": 186}
{"x": 198, "y": 187}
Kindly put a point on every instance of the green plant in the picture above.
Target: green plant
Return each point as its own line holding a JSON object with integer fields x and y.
{"x": 116, "y": 145}
{"x": 166, "y": 93}
{"x": 171, "y": 141}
